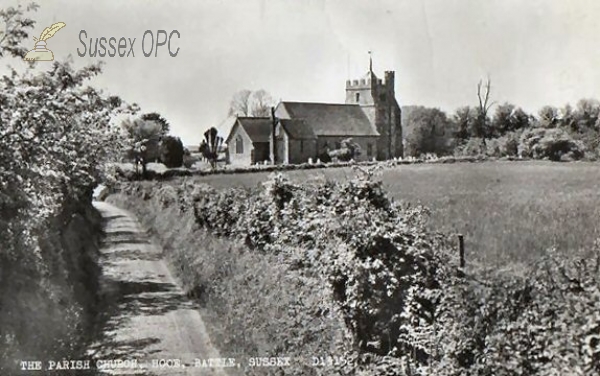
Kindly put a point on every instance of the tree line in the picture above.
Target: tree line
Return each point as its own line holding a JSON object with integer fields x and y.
{"x": 504, "y": 130}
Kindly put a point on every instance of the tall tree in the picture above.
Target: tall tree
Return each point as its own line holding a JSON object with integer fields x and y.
{"x": 431, "y": 132}
{"x": 484, "y": 105}
{"x": 240, "y": 103}
{"x": 261, "y": 103}
{"x": 251, "y": 103}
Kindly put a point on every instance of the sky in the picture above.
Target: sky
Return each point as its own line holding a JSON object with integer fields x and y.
{"x": 536, "y": 52}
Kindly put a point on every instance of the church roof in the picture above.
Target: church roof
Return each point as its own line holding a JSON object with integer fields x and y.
{"x": 327, "y": 119}
{"x": 257, "y": 128}
{"x": 297, "y": 129}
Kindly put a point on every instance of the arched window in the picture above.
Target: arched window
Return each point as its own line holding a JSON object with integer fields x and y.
{"x": 239, "y": 145}
{"x": 357, "y": 97}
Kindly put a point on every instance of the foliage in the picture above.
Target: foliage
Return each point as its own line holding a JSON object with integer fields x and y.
{"x": 464, "y": 122}
{"x": 379, "y": 252}
{"x": 171, "y": 151}
{"x": 507, "y": 119}
{"x": 145, "y": 137}
{"x": 290, "y": 314}
{"x": 347, "y": 151}
{"x": 55, "y": 136}
{"x": 553, "y": 144}
{"x": 429, "y": 131}
{"x": 211, "y": 146}
{"x": 401, "y": 296}
{"x": 17, "y": 26}
{"x": 158, "y": 118}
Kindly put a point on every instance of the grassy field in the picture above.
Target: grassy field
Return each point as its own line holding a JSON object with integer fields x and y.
{"x": 508, "y": 211}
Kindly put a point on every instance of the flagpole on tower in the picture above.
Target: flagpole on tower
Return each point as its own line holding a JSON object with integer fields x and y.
{"x": 370, "y": 62}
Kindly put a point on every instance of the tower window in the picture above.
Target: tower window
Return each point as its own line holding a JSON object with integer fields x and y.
{"x": 369, "y": 150}
{"x": 357, "y": 97}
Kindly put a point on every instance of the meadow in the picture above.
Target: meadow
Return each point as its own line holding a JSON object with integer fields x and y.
{"x": 507, "y": 211}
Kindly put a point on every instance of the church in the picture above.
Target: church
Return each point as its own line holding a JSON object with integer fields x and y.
{"x": 301, "y": 131}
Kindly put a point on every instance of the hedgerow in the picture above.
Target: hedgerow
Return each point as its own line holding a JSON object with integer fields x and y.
{"x": 408, "y": 306}
{"x": 55, "y": 135}
{"x": 371, "y": 252}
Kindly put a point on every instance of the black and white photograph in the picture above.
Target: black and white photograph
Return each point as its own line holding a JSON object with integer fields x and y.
{"x": 300, "y": 187}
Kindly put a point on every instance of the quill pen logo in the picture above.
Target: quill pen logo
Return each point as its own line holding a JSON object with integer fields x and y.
{"x": 40, "y": 52}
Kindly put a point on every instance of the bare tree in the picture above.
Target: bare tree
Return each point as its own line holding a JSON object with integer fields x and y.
{"x": 483, "y": 95}
{"x": 248, "y": 103}
{"x": 240, "y": 103}
{"x": 261, "y": 103}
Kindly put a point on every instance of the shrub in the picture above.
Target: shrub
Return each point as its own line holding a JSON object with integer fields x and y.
{"x": 171, "y": 151}
{"x": 554, "y": 144}
{"x": 348, "y": 150}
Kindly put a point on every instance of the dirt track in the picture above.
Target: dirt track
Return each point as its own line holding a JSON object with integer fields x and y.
{"x": 147, "y": 316}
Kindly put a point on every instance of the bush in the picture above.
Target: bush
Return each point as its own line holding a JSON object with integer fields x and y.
{"x": 348, "y": 150}
{"x": 473, "y": 147}
{"x": 171, "y": 151}
{"x": 554, "y": 144}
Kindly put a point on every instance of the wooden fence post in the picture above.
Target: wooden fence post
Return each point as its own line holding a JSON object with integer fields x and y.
{"x": 461, "y": 249}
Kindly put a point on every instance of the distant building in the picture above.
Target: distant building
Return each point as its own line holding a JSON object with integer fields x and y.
{"x": 248, "y": 140}
{"x": 301, "y": 131}
{"x": 307, "y": 130}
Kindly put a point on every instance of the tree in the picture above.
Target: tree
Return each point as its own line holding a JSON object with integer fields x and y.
{"x": 211, "y": 145}
{"x": 155, "y": 116}
{"x": 56, "y": 140}
{"x": 464, "y": 123}
{"x": 508, "y": 118}
{"x": 261, "y": 103}
{"x": 171, "y": 151}
{"x": 586, "y": 115}
{"x": 484, "y": 105}
{"x": 248, "y": 103}
{"x": 430, "y": 132}
{"x": 502, "y": 122}
{"x": 240, "y": 103}
{"x": 548, "y": 117}
{"x": 145, "y": 137}
{"x": 16, "y": 30}
{"x": 520, "y": 119}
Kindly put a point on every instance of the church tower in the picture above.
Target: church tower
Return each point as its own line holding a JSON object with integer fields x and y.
{"x": 377, "y": 99}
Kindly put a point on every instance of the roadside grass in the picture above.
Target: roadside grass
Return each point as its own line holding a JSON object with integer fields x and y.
{"x": 507, "y": 211}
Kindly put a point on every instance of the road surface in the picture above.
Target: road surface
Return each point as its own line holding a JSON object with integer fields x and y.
{"x": 147, "y": 317}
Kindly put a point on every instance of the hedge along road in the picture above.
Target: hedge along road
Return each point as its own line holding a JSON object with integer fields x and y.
{"x": 149, "y": 326}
